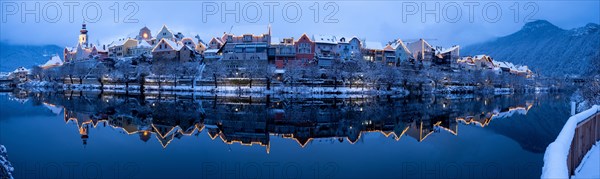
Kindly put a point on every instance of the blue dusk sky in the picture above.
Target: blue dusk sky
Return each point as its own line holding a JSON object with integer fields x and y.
{"x": 443, "y": 23}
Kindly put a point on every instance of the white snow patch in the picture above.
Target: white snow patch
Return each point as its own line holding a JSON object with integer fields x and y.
{"x": 590, "y": 166}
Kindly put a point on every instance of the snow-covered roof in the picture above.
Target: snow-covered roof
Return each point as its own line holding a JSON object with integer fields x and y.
{"x": 54, "y": 61}
{"x": 373, "y": 45}
{"x": 143, "y": 44}
{"x": 450, "y": 49}
{"x": 479, "y": 56}
{"x": 216, "y": 39}
{"x": 211, "y": 51}
{"x": 174, "y": 45}
{"x": 389, "y": 47}
{"x": 21, "y": 69}
{"x": 328, "y": 39}
{"x": 53, "y": 108}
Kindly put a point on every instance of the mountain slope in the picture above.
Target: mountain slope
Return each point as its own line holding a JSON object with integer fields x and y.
{"x": 545, "y": 48}
{"x": 14, "y": 56}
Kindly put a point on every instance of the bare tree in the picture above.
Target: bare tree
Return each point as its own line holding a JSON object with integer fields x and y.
{"x": 215, "y": 70}
{"x": 293, "y": 72}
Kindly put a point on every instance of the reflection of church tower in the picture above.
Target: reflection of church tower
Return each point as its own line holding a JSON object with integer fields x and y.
{"x": 84, "y": 134}
{"x": 83, "y": 37}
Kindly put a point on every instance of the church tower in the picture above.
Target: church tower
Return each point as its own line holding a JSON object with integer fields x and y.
{"x": 83, "y": 37}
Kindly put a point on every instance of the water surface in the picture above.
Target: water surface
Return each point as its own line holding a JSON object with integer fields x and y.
{"x": 87, "y": 134}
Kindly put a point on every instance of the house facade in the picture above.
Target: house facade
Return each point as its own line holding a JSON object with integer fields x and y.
{"x": 171, "y": 51}
{"x": 283, "y": 52}
{"x": 246, "y": 53}
{"x": 305, "y": 49}
{"x": 402, "y": 53}
{"x": 122, "y": 48}
{"x": 325, "y": 49}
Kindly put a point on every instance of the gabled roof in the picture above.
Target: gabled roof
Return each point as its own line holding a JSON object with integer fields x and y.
{"x": 54, "y": 61}
{"x": 143, "y": 43}
{"x": 174, "y": 45}
{"x": 419, "y": 45}
{"x": 304, "y": 35}
{"x": 450, "y": 49}
{"x": 399, "y": 44}
{"x": 21, "y": 69}
{"x": 389, "y": 47}
{"x": 218, "y": 40}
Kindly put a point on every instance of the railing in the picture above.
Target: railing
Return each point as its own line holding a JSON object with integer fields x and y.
{"x": 586, "y": 135}
{"x": 576, "y": 138}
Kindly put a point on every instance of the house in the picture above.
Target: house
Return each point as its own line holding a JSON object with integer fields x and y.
{"x": 212, "y": 55}
{"x": 122, "y": 48}
{"x": 165, "y": 33}
{"x": 376, "y": 52}
{"x": 478, "y": 62}
{"x": 244, "y": 53}
{"x": 325, "y": 49}
{"x": 20, "y": 74}
{"x": 465, "y": 63}
{"x": 349, "y": 48}
{"x": 372, "y": 51}
{"x": 215, "y": 43}
{"x": 510, "y": 68}
{"x": 283, "y": 52}
{"x": 305, "y": 49}
{"x": 483, "y": 62}
{"x": 402, "y": 53}
{"x": 173, "y": 51}
{"x": 422, "y": 52}
{"x": 200, "y": 46}
{"x": 446, "y": 57}
{"x": 142, "y": 48}
{"x": 187, "y": 41}
{"x": 389, "y": 55}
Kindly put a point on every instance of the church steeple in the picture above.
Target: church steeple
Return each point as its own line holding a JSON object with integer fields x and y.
{"x": 83, "y": 37}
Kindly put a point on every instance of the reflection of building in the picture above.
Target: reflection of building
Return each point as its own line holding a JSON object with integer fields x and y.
{"x": 249, "y": 121}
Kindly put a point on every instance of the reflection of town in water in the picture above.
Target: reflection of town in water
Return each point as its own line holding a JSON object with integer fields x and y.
{"x": 254, "y": 120}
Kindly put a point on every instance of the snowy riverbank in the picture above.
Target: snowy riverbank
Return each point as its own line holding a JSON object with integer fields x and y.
{"x": 221, "y": 90}
{"x": 6, "y": 168}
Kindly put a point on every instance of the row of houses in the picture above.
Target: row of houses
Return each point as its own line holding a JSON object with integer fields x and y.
{"x": 242, "y": 51}
{"x": 485, "y": 62}
{"x": 166, "y": 45}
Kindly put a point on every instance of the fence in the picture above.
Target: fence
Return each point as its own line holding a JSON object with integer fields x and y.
{"x": 576, "y": 138}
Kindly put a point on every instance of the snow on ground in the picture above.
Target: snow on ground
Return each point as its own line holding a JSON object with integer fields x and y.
{"x": 590, "y": 166}
{"x": 5, "y": 164}
{"x": 555, "y": 158}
